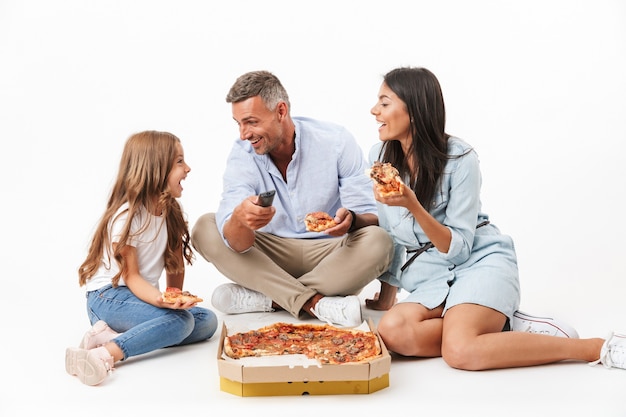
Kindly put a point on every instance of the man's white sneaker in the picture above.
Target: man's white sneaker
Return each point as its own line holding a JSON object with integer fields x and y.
{"x": 235, "y": 299}
{"x": 341, "y": 311}
{"x": 523, "y": 322}
{"x": 613, "y": 352}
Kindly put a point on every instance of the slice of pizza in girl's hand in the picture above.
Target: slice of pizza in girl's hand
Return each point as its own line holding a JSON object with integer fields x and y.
{"x": 173, "y": 294}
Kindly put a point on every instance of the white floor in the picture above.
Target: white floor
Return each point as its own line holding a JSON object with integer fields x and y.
{"x": 537, "y": 87}
{"x": 185, "y": 381}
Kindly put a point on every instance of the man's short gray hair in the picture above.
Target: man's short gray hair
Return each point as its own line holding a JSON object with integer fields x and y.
{"x": 258, "y": 83}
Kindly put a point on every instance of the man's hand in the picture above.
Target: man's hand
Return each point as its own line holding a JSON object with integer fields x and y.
{"x": 343, "y": 218}
{"x": 247, "y": 217}
{"x": 252, "y": 215}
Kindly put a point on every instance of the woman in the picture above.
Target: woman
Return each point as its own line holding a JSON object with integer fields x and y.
{"x": 460, "y": 271}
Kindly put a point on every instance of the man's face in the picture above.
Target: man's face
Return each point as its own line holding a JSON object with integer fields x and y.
{"x": 258, "y": 125}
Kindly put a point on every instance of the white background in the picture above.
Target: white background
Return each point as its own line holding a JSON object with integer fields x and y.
{"x": 537, "y": 87}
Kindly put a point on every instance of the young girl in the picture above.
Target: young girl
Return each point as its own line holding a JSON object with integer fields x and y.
{"x": 143, "y": 231}
{"x": 460, "y": 271}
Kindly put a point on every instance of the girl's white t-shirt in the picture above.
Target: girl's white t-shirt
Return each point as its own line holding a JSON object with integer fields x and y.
{"x": 150, "y": 243}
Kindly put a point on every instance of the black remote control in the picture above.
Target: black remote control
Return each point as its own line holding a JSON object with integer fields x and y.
{"x": 265, "y": 199}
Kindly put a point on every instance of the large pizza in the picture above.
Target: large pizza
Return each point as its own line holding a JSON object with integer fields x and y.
{"x": 323, "y": 342}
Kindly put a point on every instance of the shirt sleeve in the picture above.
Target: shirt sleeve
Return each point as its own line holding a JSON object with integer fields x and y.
{"x": 239, "y": 181}
{"x": 463, "y": 206}
{"x": 355, "y": 187}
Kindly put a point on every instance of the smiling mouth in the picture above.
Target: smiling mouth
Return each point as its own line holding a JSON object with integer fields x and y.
{"x": 254, "y": 141}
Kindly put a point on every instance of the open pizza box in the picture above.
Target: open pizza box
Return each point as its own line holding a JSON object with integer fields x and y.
{"x": 288, "y": 375}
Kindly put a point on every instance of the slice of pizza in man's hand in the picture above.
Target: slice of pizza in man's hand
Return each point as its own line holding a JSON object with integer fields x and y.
{"x": 172, "y": 295}
{"x": 318, "y": 221}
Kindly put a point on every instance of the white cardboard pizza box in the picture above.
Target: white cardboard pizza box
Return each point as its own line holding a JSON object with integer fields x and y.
{"x": 296, "y": 376}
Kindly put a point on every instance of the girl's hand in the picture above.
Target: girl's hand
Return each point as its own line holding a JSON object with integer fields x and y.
{"x": 178, "y": 305}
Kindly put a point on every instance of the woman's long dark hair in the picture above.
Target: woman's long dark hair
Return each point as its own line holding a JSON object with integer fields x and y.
{"x": 420, "y": 91}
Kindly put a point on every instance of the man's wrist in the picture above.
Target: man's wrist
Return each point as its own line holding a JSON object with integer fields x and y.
{"x": 352, "y": 227}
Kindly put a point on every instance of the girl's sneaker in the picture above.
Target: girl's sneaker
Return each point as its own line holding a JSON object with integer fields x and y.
{"x": 99, "y": 334}
{"x": 90, "y": 366}
{"x": 613, "y": 352}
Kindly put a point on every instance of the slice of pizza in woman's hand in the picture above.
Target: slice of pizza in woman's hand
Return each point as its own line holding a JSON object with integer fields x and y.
{"x": 387, "y": 178}
{"x": 173, "y": 294}
{"x": 318, "y": 221}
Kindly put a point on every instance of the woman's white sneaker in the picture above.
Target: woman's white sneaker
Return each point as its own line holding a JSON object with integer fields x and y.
{"x": 613, "y": 352}
{"x": 523, "y": 322}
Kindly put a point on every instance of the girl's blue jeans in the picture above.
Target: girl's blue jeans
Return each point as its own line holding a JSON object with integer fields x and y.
{"x": 144, "y": 327}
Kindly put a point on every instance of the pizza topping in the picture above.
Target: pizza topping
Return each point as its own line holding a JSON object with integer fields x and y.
{"x": 318, "y": 221}
{"x": 326, "y": 343}
{"x": 173, "y": 294}
{"x": 386, "y": 177}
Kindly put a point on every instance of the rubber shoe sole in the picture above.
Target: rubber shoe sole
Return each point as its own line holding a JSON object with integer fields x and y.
{"x": 89, "y": 368}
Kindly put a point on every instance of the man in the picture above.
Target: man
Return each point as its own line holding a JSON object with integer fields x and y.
{"x": 267, "y": 251}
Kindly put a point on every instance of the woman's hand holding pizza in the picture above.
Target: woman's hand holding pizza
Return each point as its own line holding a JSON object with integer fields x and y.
{"x": 405, "y": 198}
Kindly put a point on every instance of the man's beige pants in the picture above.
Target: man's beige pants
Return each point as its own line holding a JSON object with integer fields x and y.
{"x": 291, "y": 271}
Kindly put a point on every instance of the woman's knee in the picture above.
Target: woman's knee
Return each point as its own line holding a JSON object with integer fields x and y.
{"x": 460, "y": 354}
{"x": 391, "y": 328}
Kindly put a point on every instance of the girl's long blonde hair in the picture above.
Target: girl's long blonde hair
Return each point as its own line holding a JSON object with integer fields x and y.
{"x": 141, "y": 181}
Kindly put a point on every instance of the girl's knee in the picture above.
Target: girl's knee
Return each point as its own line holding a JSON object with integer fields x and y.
{"x": 209, "y": 324}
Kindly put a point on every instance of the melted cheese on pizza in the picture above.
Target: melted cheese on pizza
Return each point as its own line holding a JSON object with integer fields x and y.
{"x": 318, "y": 221}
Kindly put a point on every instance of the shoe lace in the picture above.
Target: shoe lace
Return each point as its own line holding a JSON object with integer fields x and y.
{"x": 611, "y": 354}
{"x": 328, "y": 309}
{"x": 109, "y": 365}
{"x": 245, "y": 298}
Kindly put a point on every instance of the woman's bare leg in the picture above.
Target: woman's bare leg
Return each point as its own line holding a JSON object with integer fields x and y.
{"x": 412, "y": 330}
{"x": 472, "y": 339}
